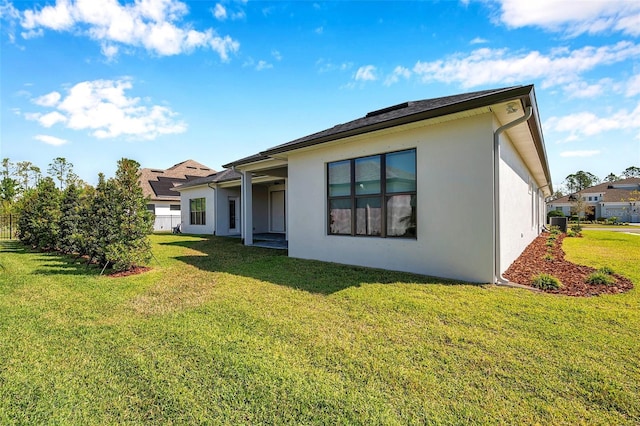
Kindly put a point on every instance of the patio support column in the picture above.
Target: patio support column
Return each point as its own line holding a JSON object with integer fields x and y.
{"x": 246, "y": 190}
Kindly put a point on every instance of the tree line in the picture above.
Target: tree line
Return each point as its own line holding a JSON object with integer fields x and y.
{"x": 108, "y": 224}
{"x": 580, "y": 180}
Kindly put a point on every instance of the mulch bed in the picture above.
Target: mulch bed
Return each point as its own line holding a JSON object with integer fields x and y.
{"x": 135, "y": 271}
{"x": 573, "y": 277}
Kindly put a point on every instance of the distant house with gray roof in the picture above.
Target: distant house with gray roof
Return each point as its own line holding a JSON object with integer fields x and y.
{"x": 609, "y": 199}
{"x": 156, "y": 185}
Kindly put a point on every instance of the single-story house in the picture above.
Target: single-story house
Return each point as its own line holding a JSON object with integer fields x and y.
{"x": 617, "y": 199}
{"x": 451, "y": 187}
{"x": 156, "y": 186}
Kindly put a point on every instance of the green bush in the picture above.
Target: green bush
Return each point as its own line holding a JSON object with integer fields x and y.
{"x": 548, "y": 257}
{"x": 598, "y": 277}
{"x": 576, "y": 228}
{"x": 546, "y": 282}
{"x": 606, "y": 270}
{"x": 555, "y": 213}
{"x": 554, "y": 230}
{"x": 550, "y": 243}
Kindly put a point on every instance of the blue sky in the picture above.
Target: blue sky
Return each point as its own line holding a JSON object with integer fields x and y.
{"x": 162, "y": 81}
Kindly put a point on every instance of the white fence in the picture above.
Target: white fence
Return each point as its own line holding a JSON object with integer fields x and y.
{"x": 166, "y": 223}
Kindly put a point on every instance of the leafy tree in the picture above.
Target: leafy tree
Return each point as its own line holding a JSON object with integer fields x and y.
{"x": 62, "y": 170}
{"x": 611, "y": 177}
{"x": 97, "y": 226}
{"x": 8, "y": 186}
{"x": 631, "y": 172}
{"x": 28, "y": 174}
{"x": 70, "y": 219}
{"x": 580, "y": 180}
{"x": 131, "y": 246}
{"x": 39, "y": 219}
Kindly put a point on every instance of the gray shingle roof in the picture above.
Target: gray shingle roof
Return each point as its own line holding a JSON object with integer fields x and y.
{"x": 223, "y": 176}
{"x": 404, "y": 113}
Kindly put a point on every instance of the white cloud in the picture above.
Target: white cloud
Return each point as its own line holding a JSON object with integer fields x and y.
{"x": 366, "y": 73}
{"x": 499, "y": 66}
{"x": 50, "y": 140}
{"x": 48, "y": 100}
{"x": 633, "y": 86}
{"x": 579, "y": 153}
{"x": 398, "y": 72}
{"x": 327, "y": 66}
{"x": 103, "y": 108}
{"x": 220, "y": 12}
{"x": 319, "y": 30}
{"x": 585, "y": 124}
{"x": 263, "y": 65}
{"x": 574, "y": 17}
{"x": 48, "y": 120}
{"x": 154, "y": 25}
{"x": 276, "y": 55}
{"x": 479, "y": 40}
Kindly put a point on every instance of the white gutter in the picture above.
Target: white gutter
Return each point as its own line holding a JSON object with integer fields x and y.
{"x": 497, "y": 276}
{"x": 215, "y": 206}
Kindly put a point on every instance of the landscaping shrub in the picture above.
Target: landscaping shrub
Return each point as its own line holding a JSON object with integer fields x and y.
{"x": 555, "y": 213}
{"x": 606, "y": 270}
{"x": 600, "y": 278}
{"x": 546, "y": 282}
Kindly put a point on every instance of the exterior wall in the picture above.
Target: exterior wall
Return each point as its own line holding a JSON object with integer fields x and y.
{"x": 222, "y": 213}
{"x": 198, "y": 192}
{"x": 520, "y": 206}
{"x": 273, "y": 188}
{"x": 165, "y": 218}
{"x": 454, "y": 216}
{"x": 260, "y": 208}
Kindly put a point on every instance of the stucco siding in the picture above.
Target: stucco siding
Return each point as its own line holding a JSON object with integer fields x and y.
{"x": 198, "y": 192}
{"x": 454, "y": 215}
{"x": 520, "y": 207}
{"x": 222, "y": 217}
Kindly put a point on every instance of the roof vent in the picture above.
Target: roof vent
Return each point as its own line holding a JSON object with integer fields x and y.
{"x": 388, "y": 109}
{"x": 157, "y": 171}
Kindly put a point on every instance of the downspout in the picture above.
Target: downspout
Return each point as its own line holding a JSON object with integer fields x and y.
{"x": 497, "y": 276}
{"x": 215, "y": 207}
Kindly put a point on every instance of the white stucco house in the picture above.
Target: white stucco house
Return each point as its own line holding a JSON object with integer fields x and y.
{"x": 619, "y": 199}
{"x": 451, "y": 187}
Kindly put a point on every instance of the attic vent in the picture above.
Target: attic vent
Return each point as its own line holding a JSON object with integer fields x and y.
{"x": 609, "y": 186}
{"x": 191, "y": 167}
{"x": 388, "y": 109}
{"x": 157, "y": 171}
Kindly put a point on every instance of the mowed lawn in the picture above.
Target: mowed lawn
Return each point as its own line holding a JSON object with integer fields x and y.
{"x": 218, "y": 333}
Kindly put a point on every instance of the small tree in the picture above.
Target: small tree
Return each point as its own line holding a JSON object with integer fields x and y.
{"x": 8, "y": 186}
{"x": 131, "y": 246}
{"x": 631, "y": 172}
{"x": 62, "y": 170}
{"x": 70, "y": 219}
{"x": 39, "y": 211}
{"x": 611, "y": 177}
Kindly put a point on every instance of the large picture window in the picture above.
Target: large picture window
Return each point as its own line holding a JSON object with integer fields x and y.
{"x": 197, "y": 211}
{"x": 374, "y": 195}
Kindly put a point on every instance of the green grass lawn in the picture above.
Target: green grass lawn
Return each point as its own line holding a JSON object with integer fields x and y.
{"x": 218, "y": 333}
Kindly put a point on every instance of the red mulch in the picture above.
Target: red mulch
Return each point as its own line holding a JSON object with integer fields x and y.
{"x": 135, "y": 271}
{"x": 532, "y": 262}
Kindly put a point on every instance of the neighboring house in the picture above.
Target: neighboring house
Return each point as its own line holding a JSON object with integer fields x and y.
{"x": 157, "y": 184}
{"x": 608, "y": 199}
{"x": 451, "y": 187}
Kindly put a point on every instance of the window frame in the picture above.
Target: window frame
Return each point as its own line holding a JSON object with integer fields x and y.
{"x": 198, "y": 216}
{"x": 384, "y": 196}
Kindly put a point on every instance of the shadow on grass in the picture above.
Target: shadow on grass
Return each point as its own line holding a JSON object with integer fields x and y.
{"x": 51, "y": 263}
{"x": 230, "y": 256}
